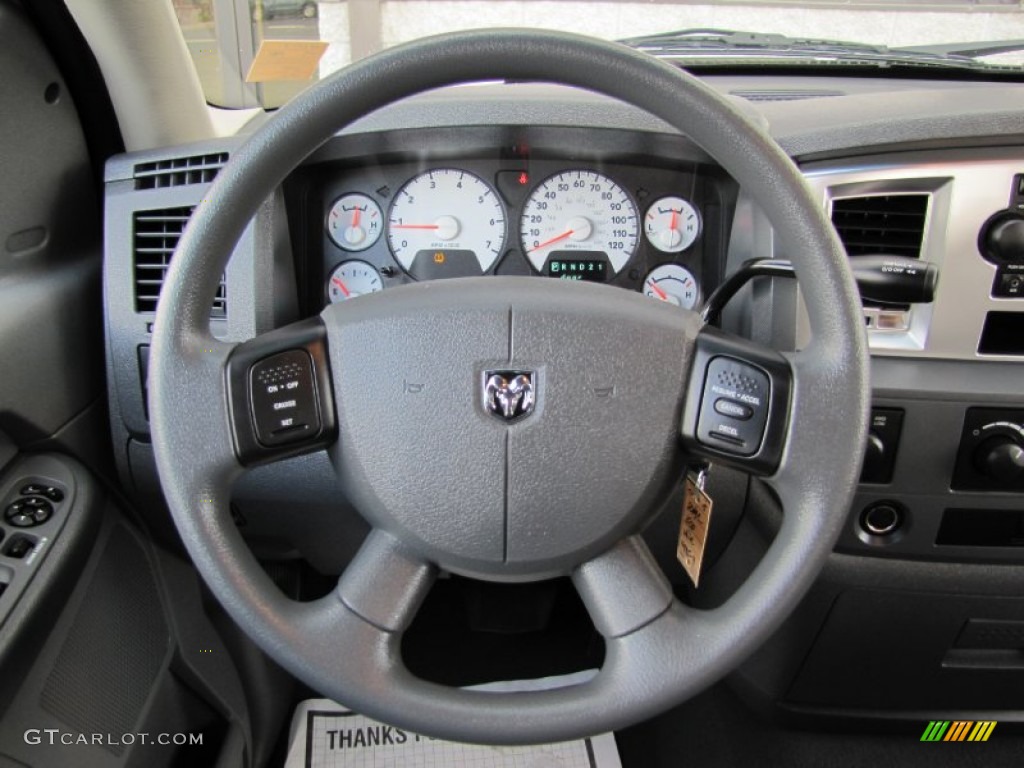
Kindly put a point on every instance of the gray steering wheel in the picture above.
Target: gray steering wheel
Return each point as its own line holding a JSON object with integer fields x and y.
{"x": 621, "y": 402}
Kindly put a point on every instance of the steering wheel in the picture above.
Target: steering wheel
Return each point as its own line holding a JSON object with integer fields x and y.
{"x": 601, "y": 397}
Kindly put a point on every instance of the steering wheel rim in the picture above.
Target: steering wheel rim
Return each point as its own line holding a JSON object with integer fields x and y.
{"x": 659, "y": 651}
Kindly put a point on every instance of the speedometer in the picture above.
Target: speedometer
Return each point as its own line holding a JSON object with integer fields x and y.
{"x": 577, "y": 214}
{"x": 446, "y": 223}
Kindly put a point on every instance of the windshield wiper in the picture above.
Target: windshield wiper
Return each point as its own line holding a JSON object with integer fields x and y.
{"x": 718, "y": 45}
{"x": 971, "y": 50}
{"x": 699, "y": 39}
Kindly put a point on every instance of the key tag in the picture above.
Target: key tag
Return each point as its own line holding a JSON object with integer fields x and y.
{"x": 693, "y": 529}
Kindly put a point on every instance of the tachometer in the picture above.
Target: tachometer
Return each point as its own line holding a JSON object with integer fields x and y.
{"x": 578, "y": 213}
{"x": 446, "y": 223}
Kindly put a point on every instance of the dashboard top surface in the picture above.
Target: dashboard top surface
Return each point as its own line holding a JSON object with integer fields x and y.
{"x": 810, "y": 117}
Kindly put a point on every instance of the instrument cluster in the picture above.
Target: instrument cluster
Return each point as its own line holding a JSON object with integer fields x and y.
{"x": 637, "y": 226}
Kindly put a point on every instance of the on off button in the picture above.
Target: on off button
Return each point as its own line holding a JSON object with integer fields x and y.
{"x": 283, "y": 397}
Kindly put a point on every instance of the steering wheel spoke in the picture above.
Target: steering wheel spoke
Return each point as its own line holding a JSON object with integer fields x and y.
{"x": 623, "y": 589}
{"x": 738, "y": 402}
{"x": 385, "y": 583}
{"x": 280, "y": 394}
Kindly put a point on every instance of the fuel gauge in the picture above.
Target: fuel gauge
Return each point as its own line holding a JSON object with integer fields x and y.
{"x": 674, "y": 284}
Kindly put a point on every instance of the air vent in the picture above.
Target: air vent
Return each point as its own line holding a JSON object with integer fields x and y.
{"x": 155, "y": 236}
{"x": 179, "y": 171}
{"x": 783, "y": 95}
{"x": 881, "y": 224}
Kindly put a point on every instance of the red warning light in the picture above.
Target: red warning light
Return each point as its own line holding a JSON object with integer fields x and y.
{"x": 524, "y": 179}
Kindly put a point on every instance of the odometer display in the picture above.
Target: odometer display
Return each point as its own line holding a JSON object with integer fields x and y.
{"x": 579, "y": 211}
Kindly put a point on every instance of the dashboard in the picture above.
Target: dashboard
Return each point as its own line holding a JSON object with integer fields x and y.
{"x": 526, "y": 179}
{"x": 651, "y": 224}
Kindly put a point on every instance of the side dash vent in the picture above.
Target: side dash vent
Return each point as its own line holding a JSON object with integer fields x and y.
{"x": 155, "y": 235}
{"x": 889, "y": 224}
{"x": 179, "y": 171}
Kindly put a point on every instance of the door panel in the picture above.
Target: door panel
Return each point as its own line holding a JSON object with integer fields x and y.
{"x": 50, "y": 246}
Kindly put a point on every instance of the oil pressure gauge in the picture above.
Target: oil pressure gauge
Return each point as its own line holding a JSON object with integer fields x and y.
{"x": 672, "y": 224}
{"x": 674, "y": 284}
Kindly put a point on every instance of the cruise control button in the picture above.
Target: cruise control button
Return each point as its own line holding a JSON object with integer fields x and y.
{"x": 283, "y": 397}
{"x": 734, "y": 406}
{"x": 732, "y": 409}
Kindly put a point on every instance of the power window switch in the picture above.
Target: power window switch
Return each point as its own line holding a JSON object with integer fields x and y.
{"x": 19, "y": 546}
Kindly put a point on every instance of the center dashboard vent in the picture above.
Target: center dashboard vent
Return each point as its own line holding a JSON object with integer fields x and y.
{"x": 179, "y": 171}
{"x": 155, "y": 235}
{"x": 881, "y": 224}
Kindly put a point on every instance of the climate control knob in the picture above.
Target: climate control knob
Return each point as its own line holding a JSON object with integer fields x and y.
{"x": 1000, "y": 457}
{"x": 1002, "y": 238}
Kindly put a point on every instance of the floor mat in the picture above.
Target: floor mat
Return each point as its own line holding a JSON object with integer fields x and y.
{"x": 325, "y": 734}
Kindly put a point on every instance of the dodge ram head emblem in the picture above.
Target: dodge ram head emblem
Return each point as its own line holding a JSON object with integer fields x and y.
{"x": 509, "y": 395}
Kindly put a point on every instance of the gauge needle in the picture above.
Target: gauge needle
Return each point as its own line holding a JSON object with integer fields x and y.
{"x": 344, "y": 290}
{"x": 546, "y": 243}
{"x": 356, "y": 213}
{"x": 661, "y": 294}
{"x": 675, "y": 220}
{"x": 415, "y": 226}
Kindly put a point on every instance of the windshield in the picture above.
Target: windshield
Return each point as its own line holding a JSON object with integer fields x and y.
{"x": 251, "y": 53}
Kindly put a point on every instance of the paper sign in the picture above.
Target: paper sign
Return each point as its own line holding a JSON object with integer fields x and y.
{"x": 325, "y": 734}
{"x": 286, "y": 60}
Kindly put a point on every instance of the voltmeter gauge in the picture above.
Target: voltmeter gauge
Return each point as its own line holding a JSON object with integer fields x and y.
{"x": 355, "y": 222}
{"x": 672, "y": 224}
{"x": 674, "y": 284}
{"x": 353, "y": 278}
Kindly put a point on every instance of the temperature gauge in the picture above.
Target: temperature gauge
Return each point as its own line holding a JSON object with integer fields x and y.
{"x": 672, "y": 224}
{"x": 353, "y": 278}
{"x": 674, "y": 284}
{"x": 355, "y": 222}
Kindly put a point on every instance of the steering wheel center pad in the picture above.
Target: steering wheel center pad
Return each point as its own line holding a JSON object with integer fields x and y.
{"x": 423, "y": 454}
